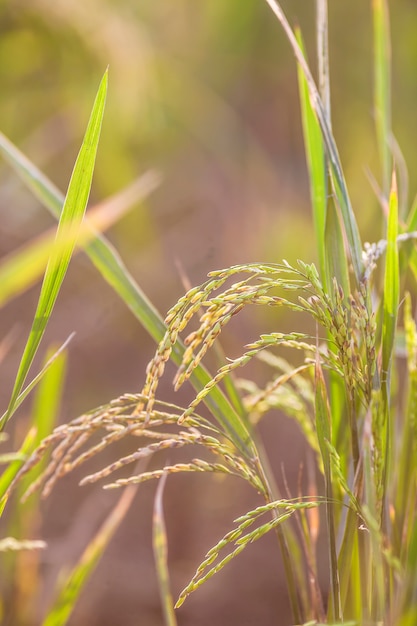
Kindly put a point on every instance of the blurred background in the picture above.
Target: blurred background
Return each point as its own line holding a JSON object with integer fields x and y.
{"x": 206, "y": 93}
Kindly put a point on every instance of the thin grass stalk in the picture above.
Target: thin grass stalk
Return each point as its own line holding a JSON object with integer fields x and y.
{"x": 389, "y": 324}
{"x": 323, "y": 427}
{"x": 316, "y": 164}
{"x": 405, "y": 495}
{"x": 348, "y": 559}
{"x": 160, "y": 548}
{"x": 323, "y": 57}
{"x": 382, "y": 88}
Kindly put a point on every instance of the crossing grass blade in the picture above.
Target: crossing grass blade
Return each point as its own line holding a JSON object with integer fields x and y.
{"x": 316, "y": 163}
{"x": 71, "y": 217}
{"x": 323, "y": 428}
{"x": 35, "y": 381}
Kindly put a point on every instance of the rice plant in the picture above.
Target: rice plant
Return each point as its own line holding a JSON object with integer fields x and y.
{"x": 359, "y": 423}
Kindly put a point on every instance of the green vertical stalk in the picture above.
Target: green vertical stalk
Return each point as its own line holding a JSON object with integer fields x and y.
{"x": 382, "y": 88}
{"x": 389, "y": 321}
{"x": 323, "y": 428}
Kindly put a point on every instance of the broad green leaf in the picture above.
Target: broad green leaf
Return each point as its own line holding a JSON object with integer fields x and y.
{"x": 389, "y": 323}
{"x": 68, "y": 227}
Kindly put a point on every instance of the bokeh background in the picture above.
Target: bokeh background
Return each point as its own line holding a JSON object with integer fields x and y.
{"x": 206, "y": 93}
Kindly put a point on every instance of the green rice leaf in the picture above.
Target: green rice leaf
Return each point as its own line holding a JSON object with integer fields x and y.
{"x": 389, "y": 324}
{"x": 338, "y": 179}
{"x": 323, "y": 427}
{"x": 316, "y": 164}
{"x": 68, "y": 227}
{"x": 391, "y": 285}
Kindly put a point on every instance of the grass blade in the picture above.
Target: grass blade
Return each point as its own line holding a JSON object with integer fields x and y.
{"x": 316, "y": 164}
{"x": 324, "y": 436}
{"x": 382, "y": 88}
{"x": 70, "y": 220}
{"x": 391, "y": 286}
{"x": 389, "y": 320}
{"x": 338, "y": 180}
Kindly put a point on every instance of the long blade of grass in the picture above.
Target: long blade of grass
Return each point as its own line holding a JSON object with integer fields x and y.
{"x": 160, "y": 549}
{"x": 323, "y": 428}
{"x": 330, "y": 245}
{"x": 316, "y": 164}
{"x": 70, "y": 220}
{"x": 389, "y": 319}
{"x": 339, "y": 183}
{"x": 70, "y": 591}
{"x": 408, "y": 252}
{"x": 382, "y": 88}
{"x": 391, "y": 286}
